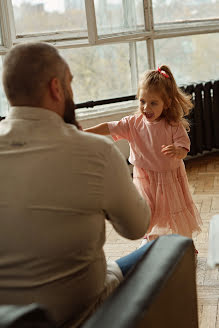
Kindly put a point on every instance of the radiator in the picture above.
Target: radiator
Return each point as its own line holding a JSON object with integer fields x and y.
{"x": 204, "y": 118}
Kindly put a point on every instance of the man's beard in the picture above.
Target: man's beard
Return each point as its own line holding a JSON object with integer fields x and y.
{"x": 69, "y": 113}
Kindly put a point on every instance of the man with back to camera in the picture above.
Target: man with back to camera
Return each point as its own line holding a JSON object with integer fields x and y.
{"x": 57, "y": 185}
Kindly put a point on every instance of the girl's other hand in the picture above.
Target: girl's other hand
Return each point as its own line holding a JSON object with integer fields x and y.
{"x": 174, "y": 152}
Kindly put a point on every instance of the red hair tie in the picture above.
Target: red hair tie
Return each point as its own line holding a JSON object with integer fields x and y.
{"x": 162, "y": 72}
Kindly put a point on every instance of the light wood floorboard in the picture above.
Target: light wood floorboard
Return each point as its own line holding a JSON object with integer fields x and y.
{"x": 203, "y": 176}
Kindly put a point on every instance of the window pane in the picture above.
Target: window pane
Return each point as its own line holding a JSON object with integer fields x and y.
{"x": 191, "y": 58}
{"x": 99, "y": 72}
{"x": 3, "y": 100}
{"x": 142, "y": 57}
{"x": 116, "y": 16}
{"x": 174, "y": 10}
{"x": 33, "y": 16}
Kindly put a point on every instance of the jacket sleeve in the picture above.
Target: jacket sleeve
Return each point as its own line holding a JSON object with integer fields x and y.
{"x": 126, "y": 209}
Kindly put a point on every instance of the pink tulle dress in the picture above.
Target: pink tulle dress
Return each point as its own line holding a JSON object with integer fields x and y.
{"x": 161, "y": 180}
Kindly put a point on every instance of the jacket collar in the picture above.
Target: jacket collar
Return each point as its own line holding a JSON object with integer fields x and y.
{"x": 33, "y": 113}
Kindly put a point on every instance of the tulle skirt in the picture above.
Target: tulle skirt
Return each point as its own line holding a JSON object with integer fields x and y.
{"x": 170, "y": 200}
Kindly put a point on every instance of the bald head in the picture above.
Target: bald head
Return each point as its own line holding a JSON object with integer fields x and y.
{"x": 27, "y": 71}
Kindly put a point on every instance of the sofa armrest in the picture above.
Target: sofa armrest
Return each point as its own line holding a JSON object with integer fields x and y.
{"x": 25, "y": 316}
{"x": 159, "y": 292}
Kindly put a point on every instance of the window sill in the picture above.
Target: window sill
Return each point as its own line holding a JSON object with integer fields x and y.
{"x": 107, "y": 110}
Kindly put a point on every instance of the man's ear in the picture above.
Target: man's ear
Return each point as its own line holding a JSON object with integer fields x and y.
{"x": 56, "y": 89}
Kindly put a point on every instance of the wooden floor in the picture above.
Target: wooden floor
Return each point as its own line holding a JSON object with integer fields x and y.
{"x": 203, "y": 175}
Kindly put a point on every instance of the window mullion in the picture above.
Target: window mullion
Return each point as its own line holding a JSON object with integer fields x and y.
{"x": 133, "y": 65}
{"x": 151, "y": 53}
{"x": 149, "y": 27}
{"x": 7, "y": 23}
{"x": 91, "y": 21}
{"x": 148, "y": 15}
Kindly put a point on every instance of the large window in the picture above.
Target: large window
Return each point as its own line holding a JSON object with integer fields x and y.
{"x": 192, "y": 58}
{"x": 109, "y": 43}
{"x": 3, "y": 101}
{"x": 178, "y": 10}
{"x": 35, "y": 16}
{"x": 119, "y": 16}
{"x": 100, "y": 72}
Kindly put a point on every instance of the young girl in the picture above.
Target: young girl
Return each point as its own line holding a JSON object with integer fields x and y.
{"x": 158, "y": 144}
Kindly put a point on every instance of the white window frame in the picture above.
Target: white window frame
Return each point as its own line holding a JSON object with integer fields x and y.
{"x": 69, "y": 39}
{"x": 8, "y": 34}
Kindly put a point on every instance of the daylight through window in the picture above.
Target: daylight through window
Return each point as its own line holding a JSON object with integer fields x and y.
{"x": 109, "y": 43}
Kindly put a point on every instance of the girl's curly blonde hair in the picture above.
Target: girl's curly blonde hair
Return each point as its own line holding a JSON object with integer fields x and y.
{"x": 177, "y": 102}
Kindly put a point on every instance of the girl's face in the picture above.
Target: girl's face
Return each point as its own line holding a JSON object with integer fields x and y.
{"x": 151, "y": 105}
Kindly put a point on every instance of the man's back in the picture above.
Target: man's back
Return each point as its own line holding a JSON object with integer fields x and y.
{"x": 55, "y": 182}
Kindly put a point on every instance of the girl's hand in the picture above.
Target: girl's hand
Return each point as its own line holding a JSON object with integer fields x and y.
{"x": 174, "y": 152}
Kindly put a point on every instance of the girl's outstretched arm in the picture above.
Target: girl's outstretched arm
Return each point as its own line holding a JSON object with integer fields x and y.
{"x": 174, "y": 151}
{"x": 99, "y": 129}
